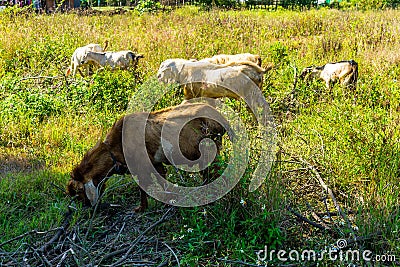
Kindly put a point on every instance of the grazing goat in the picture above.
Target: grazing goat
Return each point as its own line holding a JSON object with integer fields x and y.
{"x": 76, "y": 59}
{"x": 107, "y": 158}
{"x": 345, "y": 72}
{"x": 226, "y": 59}
{"x": 121, "y": 59}
{"x": 204, "y": 79}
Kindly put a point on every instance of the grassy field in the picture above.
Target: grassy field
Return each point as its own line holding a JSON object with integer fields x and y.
{"x": 350, "y": 139}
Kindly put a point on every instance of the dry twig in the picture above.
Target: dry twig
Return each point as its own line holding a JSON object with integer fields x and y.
{"x": 328, "y": 191}
{"x": 316, "y": 217}
{"x": 61, "y": 230}
{"x": 26, "y": 234}
{"x": 134, "y": 243}
{"x": 173, "y": 253}
{"x": 301, "y": 217}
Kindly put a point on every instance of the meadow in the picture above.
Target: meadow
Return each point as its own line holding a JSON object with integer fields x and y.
{"x": 348, "y": 139}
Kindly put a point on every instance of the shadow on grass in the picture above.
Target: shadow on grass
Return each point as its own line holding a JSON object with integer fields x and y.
{"x": 13, "y": 165}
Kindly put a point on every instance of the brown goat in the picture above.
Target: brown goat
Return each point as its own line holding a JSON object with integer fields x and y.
{"x": 107, "y": 158}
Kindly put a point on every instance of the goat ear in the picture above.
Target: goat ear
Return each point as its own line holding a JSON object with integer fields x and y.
{"x": 91, "y": 193}
{"x": 105, "y": 45}
{"x": 259, "y": 61}
{"x": 139, "y": 56}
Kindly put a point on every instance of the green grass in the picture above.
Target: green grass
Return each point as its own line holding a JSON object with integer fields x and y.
{"x": 352, "y": 138}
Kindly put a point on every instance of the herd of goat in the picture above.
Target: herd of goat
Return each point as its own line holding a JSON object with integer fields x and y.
{"x": 199, "y": 78}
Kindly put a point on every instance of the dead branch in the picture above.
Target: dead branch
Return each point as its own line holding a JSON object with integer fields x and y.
{"x": 25, "y": 257}
{"x": 348, "y": 242}
{"x": 295, "y": 170}
{"x": 329, "y": 192}
{"x": 333, "y": 214}
{"x": 164, "y": 263}
{"x": 100, "y": 185}
{"x": 58, "y": 256}
{"x": 129, "y": 250}
{"x": 173, "y": 253}
{"x": 327, "y": 211}
{"x": 26, "y": 234}
{"x": 60, "y": 232}
{"x": 62, "y": 190}
{"x": 72, "y": 243}
{"x": 111, "y": 244}
{"x": 301, "y": 217}
{"x": 363, "y": 238}
{"x": 316, "y": 217}
{"x": 64, "y": 255}
{"x": 42, "y": 257}
{"x": 114, "y": 225}
{"x": 10, "y": 257}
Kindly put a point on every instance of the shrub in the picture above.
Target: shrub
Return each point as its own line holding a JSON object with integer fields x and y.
{"x": 147, "y": 6}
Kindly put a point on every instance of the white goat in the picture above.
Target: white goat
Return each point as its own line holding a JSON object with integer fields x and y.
{"x": 76, "y": 59}
{"x": 120, "y": 59}
{"x": 226, "y": 59}
{"x": 204, "y": 79}
{"x": 345, "y": 72}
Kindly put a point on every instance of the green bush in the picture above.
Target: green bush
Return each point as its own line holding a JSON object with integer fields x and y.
{"x": 147, "y": 6}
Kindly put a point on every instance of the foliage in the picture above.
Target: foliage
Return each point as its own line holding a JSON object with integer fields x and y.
{"x": 147, "y": 6}
{"x": 217, "y": 3}
{"x": 279, "y": 53}
{"x": 373, "y": 4}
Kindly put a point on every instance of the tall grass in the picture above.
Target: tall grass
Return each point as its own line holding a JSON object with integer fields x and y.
{"x": 352, "y": 137}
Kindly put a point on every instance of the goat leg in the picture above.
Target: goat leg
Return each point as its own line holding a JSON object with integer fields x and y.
{"x": 80, "y": 73}
{"x": 143, "y": 202}
{"x": 143, "y": 195}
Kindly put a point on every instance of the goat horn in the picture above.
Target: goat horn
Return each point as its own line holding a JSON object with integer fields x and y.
{"x": 91, "y": 193}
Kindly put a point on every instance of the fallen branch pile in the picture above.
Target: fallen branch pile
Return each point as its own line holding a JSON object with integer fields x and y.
{"x": 105, "y": 239}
